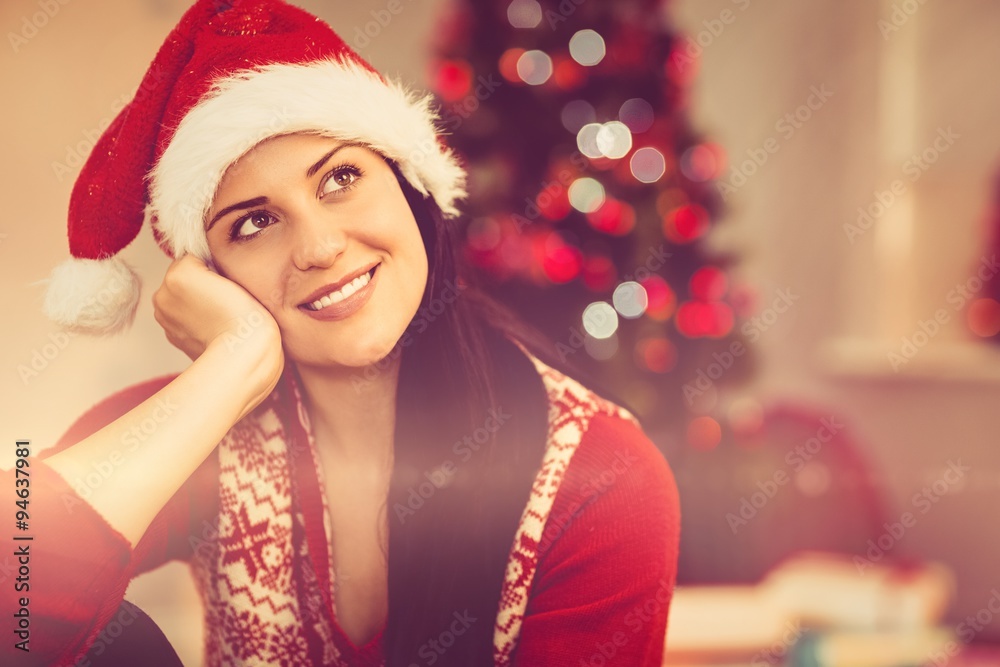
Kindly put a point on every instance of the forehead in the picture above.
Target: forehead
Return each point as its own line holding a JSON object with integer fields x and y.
{"x": 289, "y": 149}
{"x": 290, "y": 156}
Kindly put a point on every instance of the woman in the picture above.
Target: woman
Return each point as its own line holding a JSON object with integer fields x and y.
{"x": 367, "y": 462}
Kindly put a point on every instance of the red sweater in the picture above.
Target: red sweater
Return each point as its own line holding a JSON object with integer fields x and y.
{"x": 600, "y": 594}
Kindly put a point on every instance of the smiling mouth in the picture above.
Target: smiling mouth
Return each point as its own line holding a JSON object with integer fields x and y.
{"x": 344, "y": 292}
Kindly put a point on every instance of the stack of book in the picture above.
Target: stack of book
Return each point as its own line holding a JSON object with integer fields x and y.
{"x": 816, "y": 610}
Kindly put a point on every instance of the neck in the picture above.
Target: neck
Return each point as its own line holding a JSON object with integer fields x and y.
{"x": 352, "y": 411}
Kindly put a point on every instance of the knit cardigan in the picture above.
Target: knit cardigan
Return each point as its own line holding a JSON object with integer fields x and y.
{"x": 589, "y": 578}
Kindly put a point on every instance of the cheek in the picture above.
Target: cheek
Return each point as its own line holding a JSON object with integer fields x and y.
{"x": 395, "y": 231}
{"x": 254, "y": 276}
{"x": 412, "y": 259}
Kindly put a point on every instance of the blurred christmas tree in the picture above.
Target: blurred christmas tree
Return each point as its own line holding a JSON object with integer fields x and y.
{"x": 590, "y": 195}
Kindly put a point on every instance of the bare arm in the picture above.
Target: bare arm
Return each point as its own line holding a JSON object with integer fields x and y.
{"x": 161, "y": 442}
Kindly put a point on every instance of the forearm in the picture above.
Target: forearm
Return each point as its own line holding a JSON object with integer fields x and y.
{"x": 155, "y": 447}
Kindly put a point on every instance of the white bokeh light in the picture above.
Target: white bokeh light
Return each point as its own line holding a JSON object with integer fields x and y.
{"x": 614, "y": 140}
{"x": 586, "y": 195}
{"x": 648, "y": 165}
{"x": 600, "y": 320}
{"x": 586, "y": 140}
{"x": 630, "y": 299}
{"x": 534, "y": 67}
{"x": 524, "y": 13}
{"x": 587, "y": 48}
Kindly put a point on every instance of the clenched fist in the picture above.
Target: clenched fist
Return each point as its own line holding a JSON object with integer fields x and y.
{"x": 198, "y": 308}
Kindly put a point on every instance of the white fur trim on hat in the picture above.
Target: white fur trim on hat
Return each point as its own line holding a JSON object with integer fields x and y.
{"x": 337, "y": 98}
{"x": 93, "y": 296}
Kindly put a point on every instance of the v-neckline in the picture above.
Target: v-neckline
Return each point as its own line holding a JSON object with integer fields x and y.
{"x": 318, "y": 529}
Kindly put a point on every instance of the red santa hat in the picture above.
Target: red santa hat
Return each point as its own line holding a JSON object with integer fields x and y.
{"x": 231, "y": 74}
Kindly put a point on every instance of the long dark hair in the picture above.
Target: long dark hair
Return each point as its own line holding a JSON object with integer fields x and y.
{"x": 470, "y": 434}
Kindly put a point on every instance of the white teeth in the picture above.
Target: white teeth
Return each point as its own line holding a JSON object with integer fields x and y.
{"x": 341, "y": 294}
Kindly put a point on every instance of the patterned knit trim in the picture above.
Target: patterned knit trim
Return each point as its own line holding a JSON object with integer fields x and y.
{"x": 251, "y": 612}
{"x": 571, "y": 407}
{"x": 263, "y": 604}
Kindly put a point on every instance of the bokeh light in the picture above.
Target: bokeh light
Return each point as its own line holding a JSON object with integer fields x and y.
{"x": 983, "y": 317}
{"x": 702, "y": 162}
{"x": 587, "y": 47}
{"x": 709, "y": 283}
{"x": 704, "y": 433}
{"x": 561, "y": 262}
{"x": 613, "y": 217}
{"x": 669, "y": 199}
{"x": 681, "y": 67}
{"x": 508, "y": 65}
{"x": 568, "y": 74}
{"x": 630, "y": 300}
{"x": 699, "y": 319}
{"x": 516, "y": 252}
{"x": 586, "y": 194}
{"x": 662, "y": 300}
{"x": 614, "y": 140}
{"x": 648, "y": 165}
{"x": 722, "y": 319}
{"x": 598, "y": 273}
{"x": 534, "y": 67}
{"x": 637, "y": 114}
{"x": 600, "y": 320}
{"x": 524, "y": 13}
{"x": 685, "y": 223}
{"x": 657, "y": 355}
{"x": 553, "y": 203}
{"x": 586, "y": 140}
{"x": 453, "y": 79}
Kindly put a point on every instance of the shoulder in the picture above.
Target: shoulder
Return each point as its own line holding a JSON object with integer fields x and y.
{"x": 605, "y": 553}
{"x": 615, "y": 448}
{"x": 617, "y": 484}
{"x": 603, "y": 470}
{"x": 108, "y": 410}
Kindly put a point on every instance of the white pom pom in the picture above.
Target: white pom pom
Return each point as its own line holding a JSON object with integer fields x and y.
{"x": 92, "y": 296}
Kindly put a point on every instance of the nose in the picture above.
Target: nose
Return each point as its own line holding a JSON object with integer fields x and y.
{"x": 319, "y": 240}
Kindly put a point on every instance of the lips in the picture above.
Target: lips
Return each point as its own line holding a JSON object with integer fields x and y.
{"x": 331, "y": 288}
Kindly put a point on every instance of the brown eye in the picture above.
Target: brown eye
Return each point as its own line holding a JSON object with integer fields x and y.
{"x": 340, "y": 179}
{"x": 343, "y": 178}
{"x": 250, "y": 224}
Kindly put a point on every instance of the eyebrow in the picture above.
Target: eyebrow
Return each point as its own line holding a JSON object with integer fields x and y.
{"x": 323, "y": 160}
{"x": 249, "y": 203}
{"x": 257, "y": 201}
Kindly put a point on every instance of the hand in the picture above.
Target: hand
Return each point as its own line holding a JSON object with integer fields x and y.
{"x": 197, "y": 308}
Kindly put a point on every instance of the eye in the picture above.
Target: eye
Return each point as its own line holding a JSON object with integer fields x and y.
{"x": 340, "y": 179}
{"x": 250, "y": 225}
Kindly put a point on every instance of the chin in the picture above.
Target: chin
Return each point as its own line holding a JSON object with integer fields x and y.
{"x": 354, "y": 353}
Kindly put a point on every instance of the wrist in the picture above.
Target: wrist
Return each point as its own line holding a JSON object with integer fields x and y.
{"x": 252, "y": 363}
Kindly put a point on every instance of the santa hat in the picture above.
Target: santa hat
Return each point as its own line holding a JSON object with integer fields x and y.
{"x": 231, "y": 74}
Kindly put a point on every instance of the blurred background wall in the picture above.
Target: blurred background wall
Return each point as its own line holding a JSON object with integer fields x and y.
{"x": 793, "y": 222}
{"x": 862, "y": 291}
